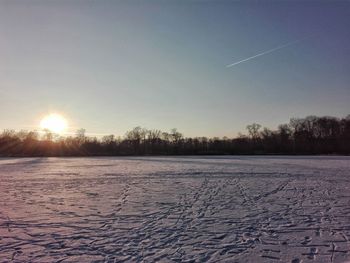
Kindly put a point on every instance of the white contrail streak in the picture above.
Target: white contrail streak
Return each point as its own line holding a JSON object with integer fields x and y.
{"x": 267, "y": 52}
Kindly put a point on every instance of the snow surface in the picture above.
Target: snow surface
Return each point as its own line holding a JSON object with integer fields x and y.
{"x": 184, "y": 209}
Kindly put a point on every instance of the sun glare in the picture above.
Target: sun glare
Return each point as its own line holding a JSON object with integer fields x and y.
{"x": 54, "y": 122}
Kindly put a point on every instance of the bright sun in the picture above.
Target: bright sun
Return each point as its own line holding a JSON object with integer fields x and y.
{"x": 54, "y": 122}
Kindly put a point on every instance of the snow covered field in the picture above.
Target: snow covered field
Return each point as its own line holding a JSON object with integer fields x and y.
{"x": 183, "y": 209}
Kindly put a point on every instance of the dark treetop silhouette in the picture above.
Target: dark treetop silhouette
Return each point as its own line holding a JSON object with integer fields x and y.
{"x": 310, "y": 135}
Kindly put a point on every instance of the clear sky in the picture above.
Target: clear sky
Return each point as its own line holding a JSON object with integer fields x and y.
{"x": 109, "y": 66}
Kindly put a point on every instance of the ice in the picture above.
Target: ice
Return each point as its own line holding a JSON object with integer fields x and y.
{"x": 175, "y": 209}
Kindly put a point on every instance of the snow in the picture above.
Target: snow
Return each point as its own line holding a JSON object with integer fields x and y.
{"x": 175, "y": 209}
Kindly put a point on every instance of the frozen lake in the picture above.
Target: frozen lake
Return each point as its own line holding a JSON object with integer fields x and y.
{"x": 175, "y": 209}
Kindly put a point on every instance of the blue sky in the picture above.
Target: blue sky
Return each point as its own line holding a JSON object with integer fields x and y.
{"x": 109, "y": 66}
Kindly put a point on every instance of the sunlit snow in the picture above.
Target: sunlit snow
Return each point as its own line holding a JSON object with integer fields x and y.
{"x": 184, "y": 209}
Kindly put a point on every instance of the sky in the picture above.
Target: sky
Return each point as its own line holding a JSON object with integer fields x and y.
{"x": 109, "y": 66}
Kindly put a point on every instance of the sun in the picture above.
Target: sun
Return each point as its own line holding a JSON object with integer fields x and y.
{"x": 55, "y": 123}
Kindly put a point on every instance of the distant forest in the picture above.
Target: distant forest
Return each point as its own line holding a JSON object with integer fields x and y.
{"x": 310, "y": 135}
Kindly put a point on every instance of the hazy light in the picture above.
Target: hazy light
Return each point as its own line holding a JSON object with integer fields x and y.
{"x": 54, "y": 122}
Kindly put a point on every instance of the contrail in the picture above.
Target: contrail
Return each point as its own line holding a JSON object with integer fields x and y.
{"x": 268, "y": 51}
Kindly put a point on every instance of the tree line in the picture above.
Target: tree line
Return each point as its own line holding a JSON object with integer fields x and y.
{"x": 309, "y": 135}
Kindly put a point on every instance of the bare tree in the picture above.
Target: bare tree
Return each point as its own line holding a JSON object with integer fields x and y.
{"x": 253, "y": 130}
